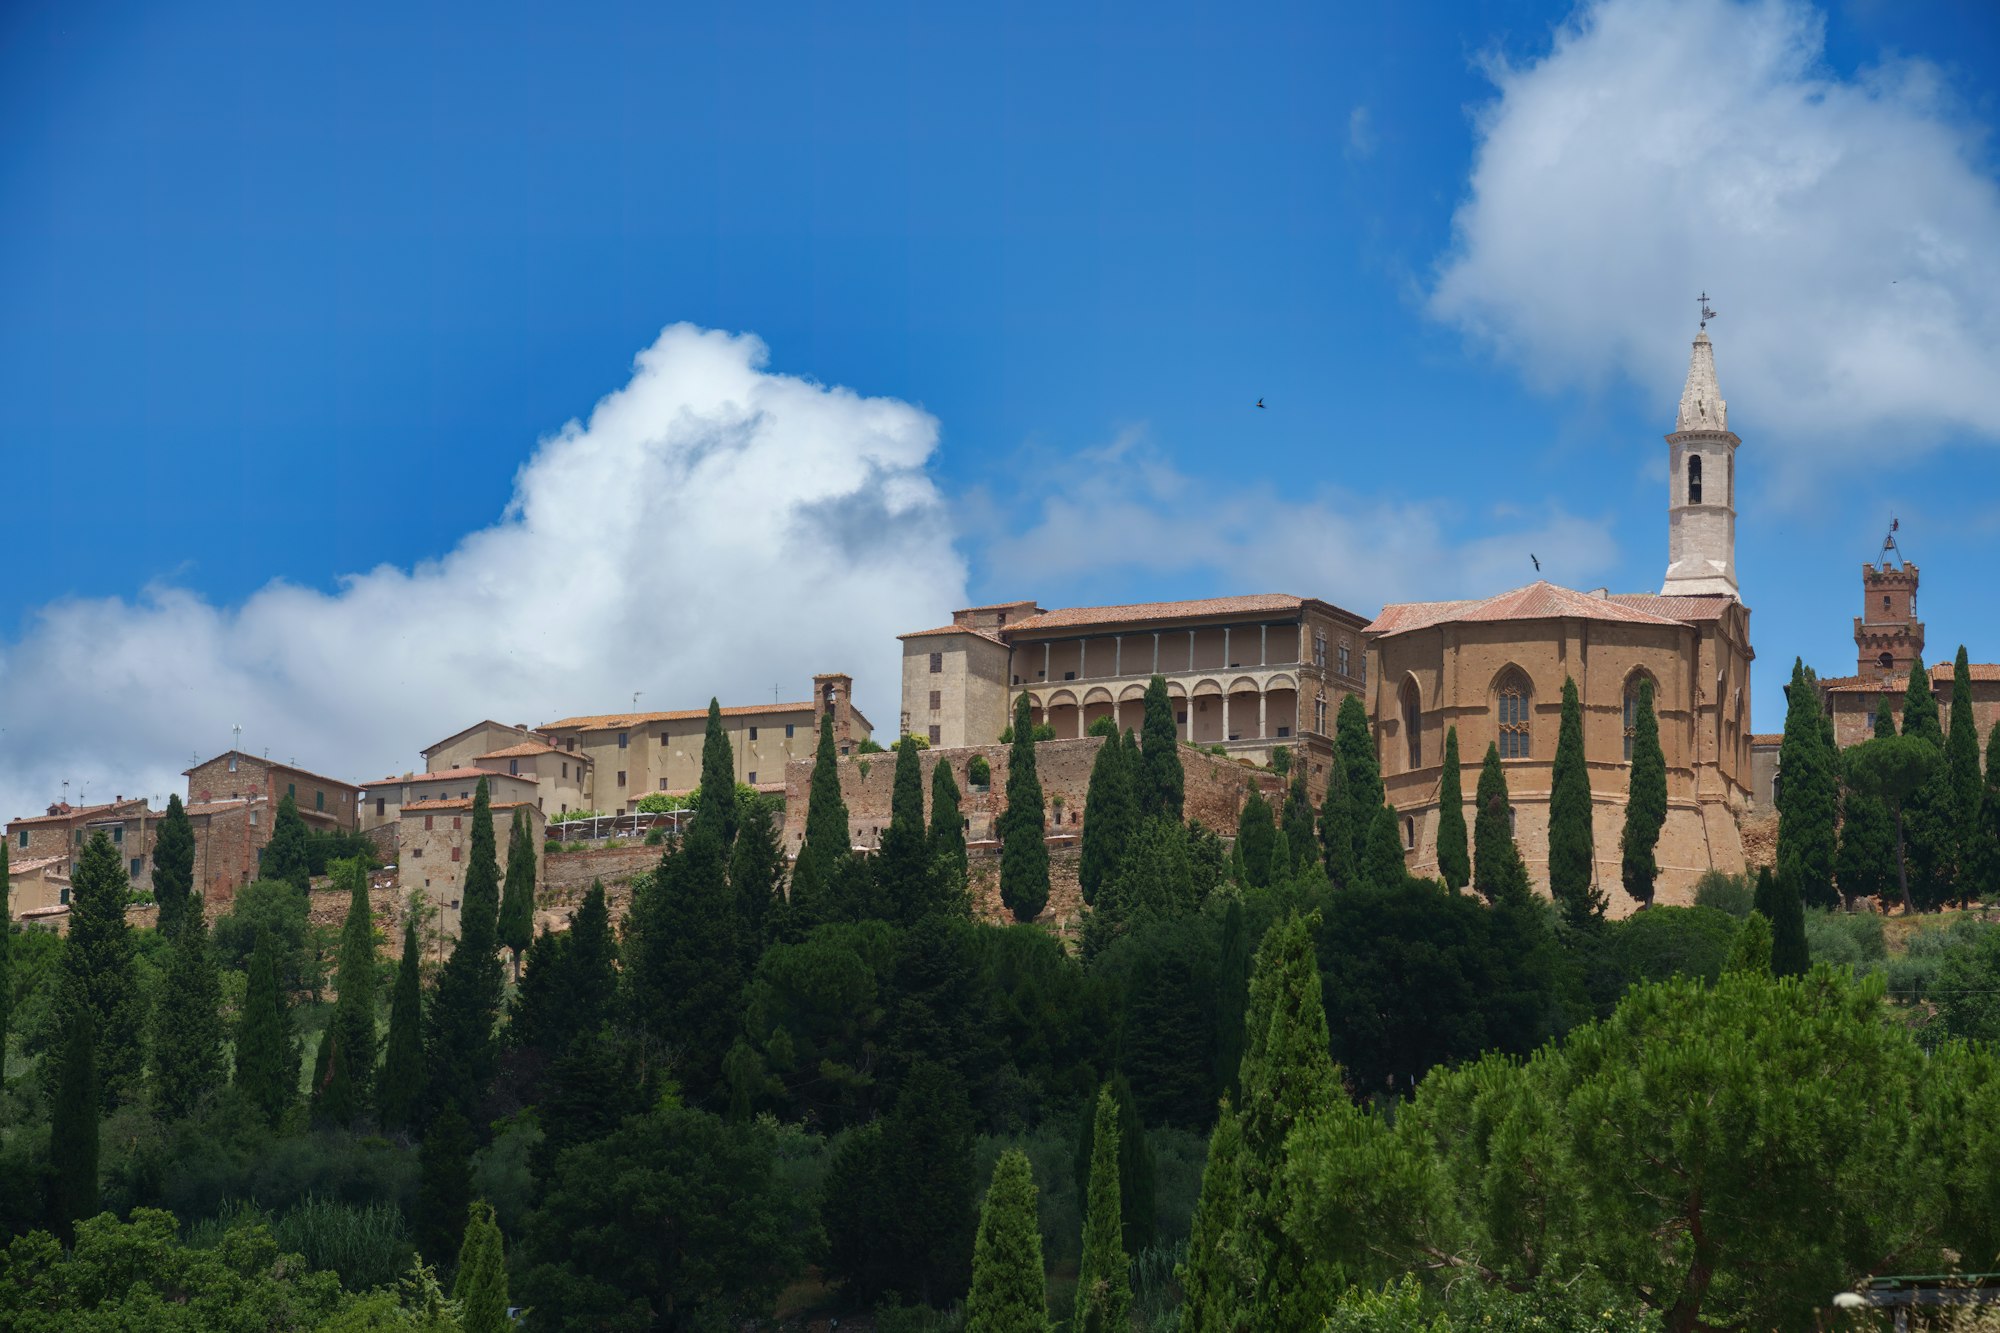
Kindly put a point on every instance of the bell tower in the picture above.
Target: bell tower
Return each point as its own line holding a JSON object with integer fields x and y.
{"x": 1701, "y": 483}
{"x": 1888, "y": 637}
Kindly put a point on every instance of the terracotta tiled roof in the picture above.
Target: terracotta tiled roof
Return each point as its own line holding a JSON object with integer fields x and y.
{"x": 273, "y": 763}
{"x": 1540, "y": 600}
{"x": 455, "y": 804}
{"x": 1767, "y": 738}
{"x": 521, "y": 751}
{"x": 483, "y": 722}
{"x": 1678, "y": 607}
{"x": 612, "y": 721}
{"x": 1078, "y": 617}
{"x": 23, "y": 867}
{"x": 954, "y": 629}
{"x": 83, "y": 812}
{"x": 454, "y": 775}
{"x": 998, "y": 606}
{"x": 1940, "y": 673}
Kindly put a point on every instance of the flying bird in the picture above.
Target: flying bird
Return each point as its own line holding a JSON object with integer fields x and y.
{"x": 1537, "y": 560}
{"x": 1260, "y": 402}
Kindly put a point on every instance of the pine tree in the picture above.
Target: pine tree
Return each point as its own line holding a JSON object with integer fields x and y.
{"x": 717, "y": 795}
{"x": 682, "y": 967}
{"x": 1009, "y": 1290}
{"x": 1382, "y": 863}
{"x": 1808, "y": 792}
{"x": 1336, "y": 828}
{"x": 344, "y": 1079}
{"x": 1255, "y": 835}
{"x": 517, "y": 901}
{"x": 267, "y": 1054}
{"x": 756, "y": 877}
{"x": 97, "y": 967}
{"x": 903, "y": 865}
{"x": 1645, "y": 802}
{"x": 1216, "y": 1271}
{"x": 399, "y": 1095}
{"x": 1354, "y": 748}
{"x": 1301, "y": 842}
{"x": 1103, "y": 1281}
{"x": 1497, "y": 869}
{"x": 828, "y": 842}
{"x": 173, "y": 865}
{"x": 74, "y": 1122}
{"x": 947, "y": 838}
{"x": 1453, "y": 856}
{"x": 462, "y": 1054}
{"x": 287, "y": 856}
{"x": 481, "y": 1286}
{"x": 1778, "y": 901}
{"x": 187, "y": 1021}
{"x": 1572, "y": 853}
{"x": 1232, "y": 997}
{"x": 1110, "y": 817}
{"x": 1024, "y": 849}
{"x": 1161, "y": 785}
{"x": 1968, "y": 788}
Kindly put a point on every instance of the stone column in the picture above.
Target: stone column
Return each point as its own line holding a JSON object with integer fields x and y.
{"x": 1045, "y": 658}
{"x": 1225, "y": 705}
{"x": 1262, "y": 730}
{"x": 1117, "y": 657}
{"x": 1156, "y": 652}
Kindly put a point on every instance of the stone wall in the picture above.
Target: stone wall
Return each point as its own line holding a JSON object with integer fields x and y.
{"x": 1214, "y": 793}
{"x": 567, "y": 876}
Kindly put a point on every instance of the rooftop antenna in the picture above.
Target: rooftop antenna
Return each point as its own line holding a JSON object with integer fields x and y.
{"x": 65, "y": 799}
{"x": 236, "y": 737}
{"x": 1706, "y": 313}
{"x": 774, "y": 692}
{"x": 635, "y": 699}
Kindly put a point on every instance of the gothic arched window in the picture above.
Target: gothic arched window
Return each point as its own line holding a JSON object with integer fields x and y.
{"x": 1510, "y": 699}
{"x": 1632, "y": 688}
{"x": 1413, "y": 722}
{"x": 1694, "y": 479}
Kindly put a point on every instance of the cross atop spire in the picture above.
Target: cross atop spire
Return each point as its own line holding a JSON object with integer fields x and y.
{"x": 1702, "y": 406}
{"x": 1706, "y": 313}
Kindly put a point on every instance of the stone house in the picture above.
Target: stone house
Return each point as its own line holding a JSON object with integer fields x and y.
{"x": 60, "y": 832}
{"x": 434, "y": 836}
{"x": 325, "y": 803}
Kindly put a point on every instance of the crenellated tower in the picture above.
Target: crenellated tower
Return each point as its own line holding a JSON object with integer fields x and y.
{"x": 1888, "y": 637}
{"x": 1701, "y": 486}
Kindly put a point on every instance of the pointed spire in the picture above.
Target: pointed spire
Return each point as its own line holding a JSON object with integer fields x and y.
{"x": 1702, "y": 407}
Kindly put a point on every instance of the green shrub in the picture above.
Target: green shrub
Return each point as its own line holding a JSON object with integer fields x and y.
{"x": 551, "y": 847}
{"x": 1725, "y": 892}
{"x": 870, "y": 746}
{"x": 978, "y": 772}
{"x": 1846, "y": 939}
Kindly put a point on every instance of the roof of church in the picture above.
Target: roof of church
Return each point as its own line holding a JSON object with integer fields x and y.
{"x": 1940, "y": 673}
{"x": 1540, "y": 600}
{"x": 1676, "y": 606}
{"x": 1702, "y": 406}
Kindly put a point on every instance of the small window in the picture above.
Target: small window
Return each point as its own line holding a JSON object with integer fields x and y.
{"x": 937, "y": 663}
{"x": 937, "y": 700}
{"x": 319, "y": 800}
{"x": 1284, "y": 733}
{"x": 416, "y": 852}
{"x": 458, "y": 821}
{"x": 753, "y": 777}
{"x": 1181, "y": 717}
{"x": 663, "y": 738}
{"x": 1319, "y": 649}
{"x": 137, "y": 861}
{"x": 79, "y": 837}
{"x": 621, "y": 777}
{"x": 663, "y": 784}
{"x": 1319, "y": 716}
{"x": 789, "y": 728}
{"x": 753, "y": 733}
{"x": 292, "y": 790}
{"x": 565, "y": 768}
{"x": 1694, "y": 479}
{"x": 24, "y": 837}
{"x": 1409, "y": 832}
{"x": 937, "y": 734}
{"x": 1345, "y": 659}
{"x": 1632, "y": 713}
{"x": 625, "y": 738}
{"x": 381, "y": 806}
{"x": 118, "y": 833}
{"x": 454, "y": 853}
{"x": 232, "y": 763}
{"x": 253, "y": 819}
{"x": 1885, "y": 601}
{"x": 427, "y": 822}
{"x": 64, "y": 897}
{"x": 570, "y": 745}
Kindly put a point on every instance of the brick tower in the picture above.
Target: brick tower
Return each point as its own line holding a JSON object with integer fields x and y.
{"x": 1888, "y": 637}
{"x": 834, "y": 690}
{"x": 1701, "y": 486}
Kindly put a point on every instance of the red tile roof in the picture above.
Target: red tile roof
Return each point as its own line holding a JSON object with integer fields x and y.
{"x": 998, "y": 606}
{"x": 1079, "y": 617}
{"x": 1540, "y": 600}
{"x": 941, "y": 630}
{"x": 612, "y": 721}
{"x": 23, "y": 867}
{"x": 521, "y": 751}
{"x": 453, "y": 775}
{"x": 1677, "y": 607}
{"x": 1941, "y": 674}
{"x": 273, "y": 763}
{"x": 84, "y": 812}
{"x": 1767, "y": 737}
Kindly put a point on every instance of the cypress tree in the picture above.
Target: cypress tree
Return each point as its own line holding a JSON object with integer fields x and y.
{"x": 1778, "y": 901}
{"x": 6, "y": 961}
{"x": 756, "y": 877}
{"x": 1920, "y": 709}
{"x": 716, "y": 799}
{"x": 1110, "y": 817}
{"x": 1024, "y": 849}
{"x": 1885, "y": 719}
{"x": 1645, "y": 802}
{"x": 1216, "y": 1271}
{"x": 1136, "y": 1169}
{"x": 828, "y": 841}
{"x": 267, "y": 1054}
{"x": 517, "y": 901}
{"x": 593, "y": 962}
{"x": 1103, "y": 1281}
{"x": 462, "y": 1055}
{"x": 927, "y": 1144}
{"x": 1301, "y": 842}
{"x": 1255, "y": 836}
{"x": 444, "y": 1185}
{"x": 1281, "y": 856}
{"x": 400, "y": 1093}
{"x": 1336, "y": 828}
{"x": 344, "y": 1079}
{"x": 187, "y": 1021}
{"x": 98, "y": 969}
{"x": 1866, "y": 861}
{"x": 287, "y": 856}
{"x": 1808, "y": 794}
{"x": 947, "y": 838}
{"x": 682, "y": 971}
{"x": 1162, "y": 783}
{"x": 1751, "y": 949}
{"x": 1968, "y": 789}
{"x": 73, "y": 1124}
{"x": 1232, "y": 996}
{"x": 1354, "y": 747}
{"x": 173, "y": 865}
{"x": 1382, "y": 863}
{"x": 1986, "y": 836}
{"x": 1009, "y": 1291}
{"x": 903, "y": 864}
{"x": 1497, "y": 869}
{"x": 481, "y": 1286}
{"x": 1454, "y": 858}
{"x": 1572, "y": 853}
{"x": 1930, "y": 815}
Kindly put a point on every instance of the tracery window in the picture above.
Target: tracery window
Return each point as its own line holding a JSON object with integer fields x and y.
{"x": 1511, "y": 709}
{"x": 1413, "y": 736}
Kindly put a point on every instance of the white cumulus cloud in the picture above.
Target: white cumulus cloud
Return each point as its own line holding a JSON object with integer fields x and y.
{"x": 713, "y": 528}
{"x": 1845, "y": 227}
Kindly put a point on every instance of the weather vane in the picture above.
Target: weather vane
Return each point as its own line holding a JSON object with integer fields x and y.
{"x": 1706, "y": 313}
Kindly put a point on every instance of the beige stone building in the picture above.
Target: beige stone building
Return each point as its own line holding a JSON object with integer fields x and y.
{"x": 384, "y": 801}
{"x": 561, "y": 780}
{"x": 59, "y": 832}
{"x": 37, "y": 889}
{"x": 632, "y": 753}
{"x": 434, "y": 837}
{"x": 1245, "y": 673}
{"x": 1494, "y": 669}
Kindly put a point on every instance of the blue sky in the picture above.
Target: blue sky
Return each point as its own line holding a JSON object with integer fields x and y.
{"x": 292, "y": 296}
